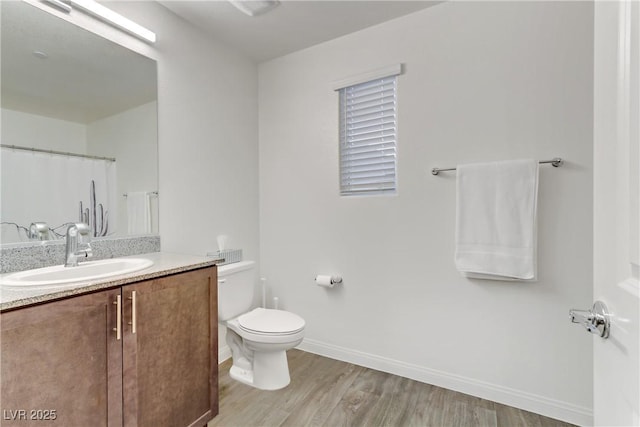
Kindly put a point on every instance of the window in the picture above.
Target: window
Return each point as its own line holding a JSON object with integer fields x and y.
{"x": 368, "y": 136}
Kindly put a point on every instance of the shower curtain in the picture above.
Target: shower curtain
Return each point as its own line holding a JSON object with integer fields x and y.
{"x": 49, "y": 188}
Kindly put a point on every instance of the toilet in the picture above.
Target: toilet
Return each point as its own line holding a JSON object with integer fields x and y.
{"x": 258, "y": 338}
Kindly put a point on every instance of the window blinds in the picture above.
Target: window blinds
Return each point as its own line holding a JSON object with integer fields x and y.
{"x": 368, "y": 137}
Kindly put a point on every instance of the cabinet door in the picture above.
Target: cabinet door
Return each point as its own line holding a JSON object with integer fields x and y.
{"x": 62, "y": 364}
{"x": 171, "y": 361}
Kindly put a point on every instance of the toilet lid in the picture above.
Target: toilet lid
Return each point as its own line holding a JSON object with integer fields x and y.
{"x": 266, "y": 321}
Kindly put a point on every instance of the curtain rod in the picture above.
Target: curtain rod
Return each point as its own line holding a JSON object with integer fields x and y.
{"x": 150, "y": 193}
{"x": 61, "y": 153}
{"x": 555, "y": 162}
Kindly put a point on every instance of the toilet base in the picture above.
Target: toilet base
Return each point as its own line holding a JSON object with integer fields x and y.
{"x": 242, "y": 375}
{"x": 270, "y": 371}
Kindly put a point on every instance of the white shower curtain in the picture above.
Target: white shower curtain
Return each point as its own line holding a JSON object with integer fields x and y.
{"x": 49, "y": 187}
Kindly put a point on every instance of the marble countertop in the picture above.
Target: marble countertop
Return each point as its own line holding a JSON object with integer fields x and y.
{"x": 164, "y": 264}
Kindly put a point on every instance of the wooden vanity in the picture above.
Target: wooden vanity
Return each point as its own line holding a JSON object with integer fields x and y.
{"x": 140, "y": 353}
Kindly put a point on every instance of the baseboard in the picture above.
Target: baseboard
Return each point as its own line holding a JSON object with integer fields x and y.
{"x": 519, "y": 399}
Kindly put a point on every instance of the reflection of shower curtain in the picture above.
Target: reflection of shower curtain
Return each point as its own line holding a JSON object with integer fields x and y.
{"x": 49, "y": 188}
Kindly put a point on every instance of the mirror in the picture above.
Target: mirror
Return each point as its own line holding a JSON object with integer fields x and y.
{"x": 72, "y": 92}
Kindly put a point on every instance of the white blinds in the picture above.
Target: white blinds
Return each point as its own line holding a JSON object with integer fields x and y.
{"x": 368, "y": 137}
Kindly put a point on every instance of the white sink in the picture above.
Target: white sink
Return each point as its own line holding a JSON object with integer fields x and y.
{"x": 60, "y": 276}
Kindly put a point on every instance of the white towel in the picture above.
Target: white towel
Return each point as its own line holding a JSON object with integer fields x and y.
{"x": 138, "y": 212}
{"x": 496, "y": 227}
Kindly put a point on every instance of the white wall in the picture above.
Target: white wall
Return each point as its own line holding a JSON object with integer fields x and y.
{"x": 483, "y": 81}
{"x": 34, "y": 131}
{"x": 132, "y": 138}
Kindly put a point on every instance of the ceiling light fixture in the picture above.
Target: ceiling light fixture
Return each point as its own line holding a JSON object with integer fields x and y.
{"x": 254, "y": 7}
{"x": 59, "y": 5}
{"x": 115, "y": 19}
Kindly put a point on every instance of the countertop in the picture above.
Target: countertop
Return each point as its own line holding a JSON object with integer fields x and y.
{"x": 164, "y": 264}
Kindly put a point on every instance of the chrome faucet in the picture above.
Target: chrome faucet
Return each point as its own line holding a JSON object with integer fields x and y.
{"x": 78, "y": 244}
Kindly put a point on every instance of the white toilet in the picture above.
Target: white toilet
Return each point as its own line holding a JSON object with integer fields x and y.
{"x": 258, "y": 338}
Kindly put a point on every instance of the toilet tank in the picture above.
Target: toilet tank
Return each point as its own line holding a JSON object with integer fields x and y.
{"x": 236, "y": 283}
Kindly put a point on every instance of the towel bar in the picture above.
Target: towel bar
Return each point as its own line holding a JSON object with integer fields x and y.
{"x": 555, "y": 162}
{"x": 151, "y": 193}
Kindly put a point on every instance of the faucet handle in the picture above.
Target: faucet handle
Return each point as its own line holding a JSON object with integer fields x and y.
{"x": 83, "y": 229}
{"x": 84, "y": 241}
{"x": 79, "y": 228}
{"x": 78, "y": 243}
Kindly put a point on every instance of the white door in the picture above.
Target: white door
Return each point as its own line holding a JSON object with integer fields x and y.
{"x": 616, "y": 370}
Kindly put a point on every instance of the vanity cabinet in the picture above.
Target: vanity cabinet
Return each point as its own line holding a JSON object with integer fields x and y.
{"x": 61, "y": 364}
{"x": 170, "y": 363}
{"x": 144, "y": 354}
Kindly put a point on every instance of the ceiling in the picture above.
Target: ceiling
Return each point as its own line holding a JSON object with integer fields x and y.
{"x": 292, "y": 26}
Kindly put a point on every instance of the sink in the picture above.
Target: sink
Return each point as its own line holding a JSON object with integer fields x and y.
{"x": 60, "y": 276}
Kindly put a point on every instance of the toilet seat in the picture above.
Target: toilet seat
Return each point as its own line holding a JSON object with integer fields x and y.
{"x": 262, "y": 321}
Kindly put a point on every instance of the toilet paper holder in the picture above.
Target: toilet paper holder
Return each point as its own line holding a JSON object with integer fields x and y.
{"x": 328, "y": 280}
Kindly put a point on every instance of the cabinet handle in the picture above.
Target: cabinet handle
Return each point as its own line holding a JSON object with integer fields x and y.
{"x": 118, "y": 303}
{"x": 133, "y": 312}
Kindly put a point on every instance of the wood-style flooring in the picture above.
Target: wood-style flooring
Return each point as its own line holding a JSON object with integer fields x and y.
{"x": 327, "y": 392}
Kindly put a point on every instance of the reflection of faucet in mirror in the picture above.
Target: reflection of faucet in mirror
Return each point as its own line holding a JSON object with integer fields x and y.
{"x": 39, "y": 231}
{"x": 78, "y": 244}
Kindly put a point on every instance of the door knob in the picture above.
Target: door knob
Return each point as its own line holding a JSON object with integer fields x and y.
{"x": 595, "y": 320}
